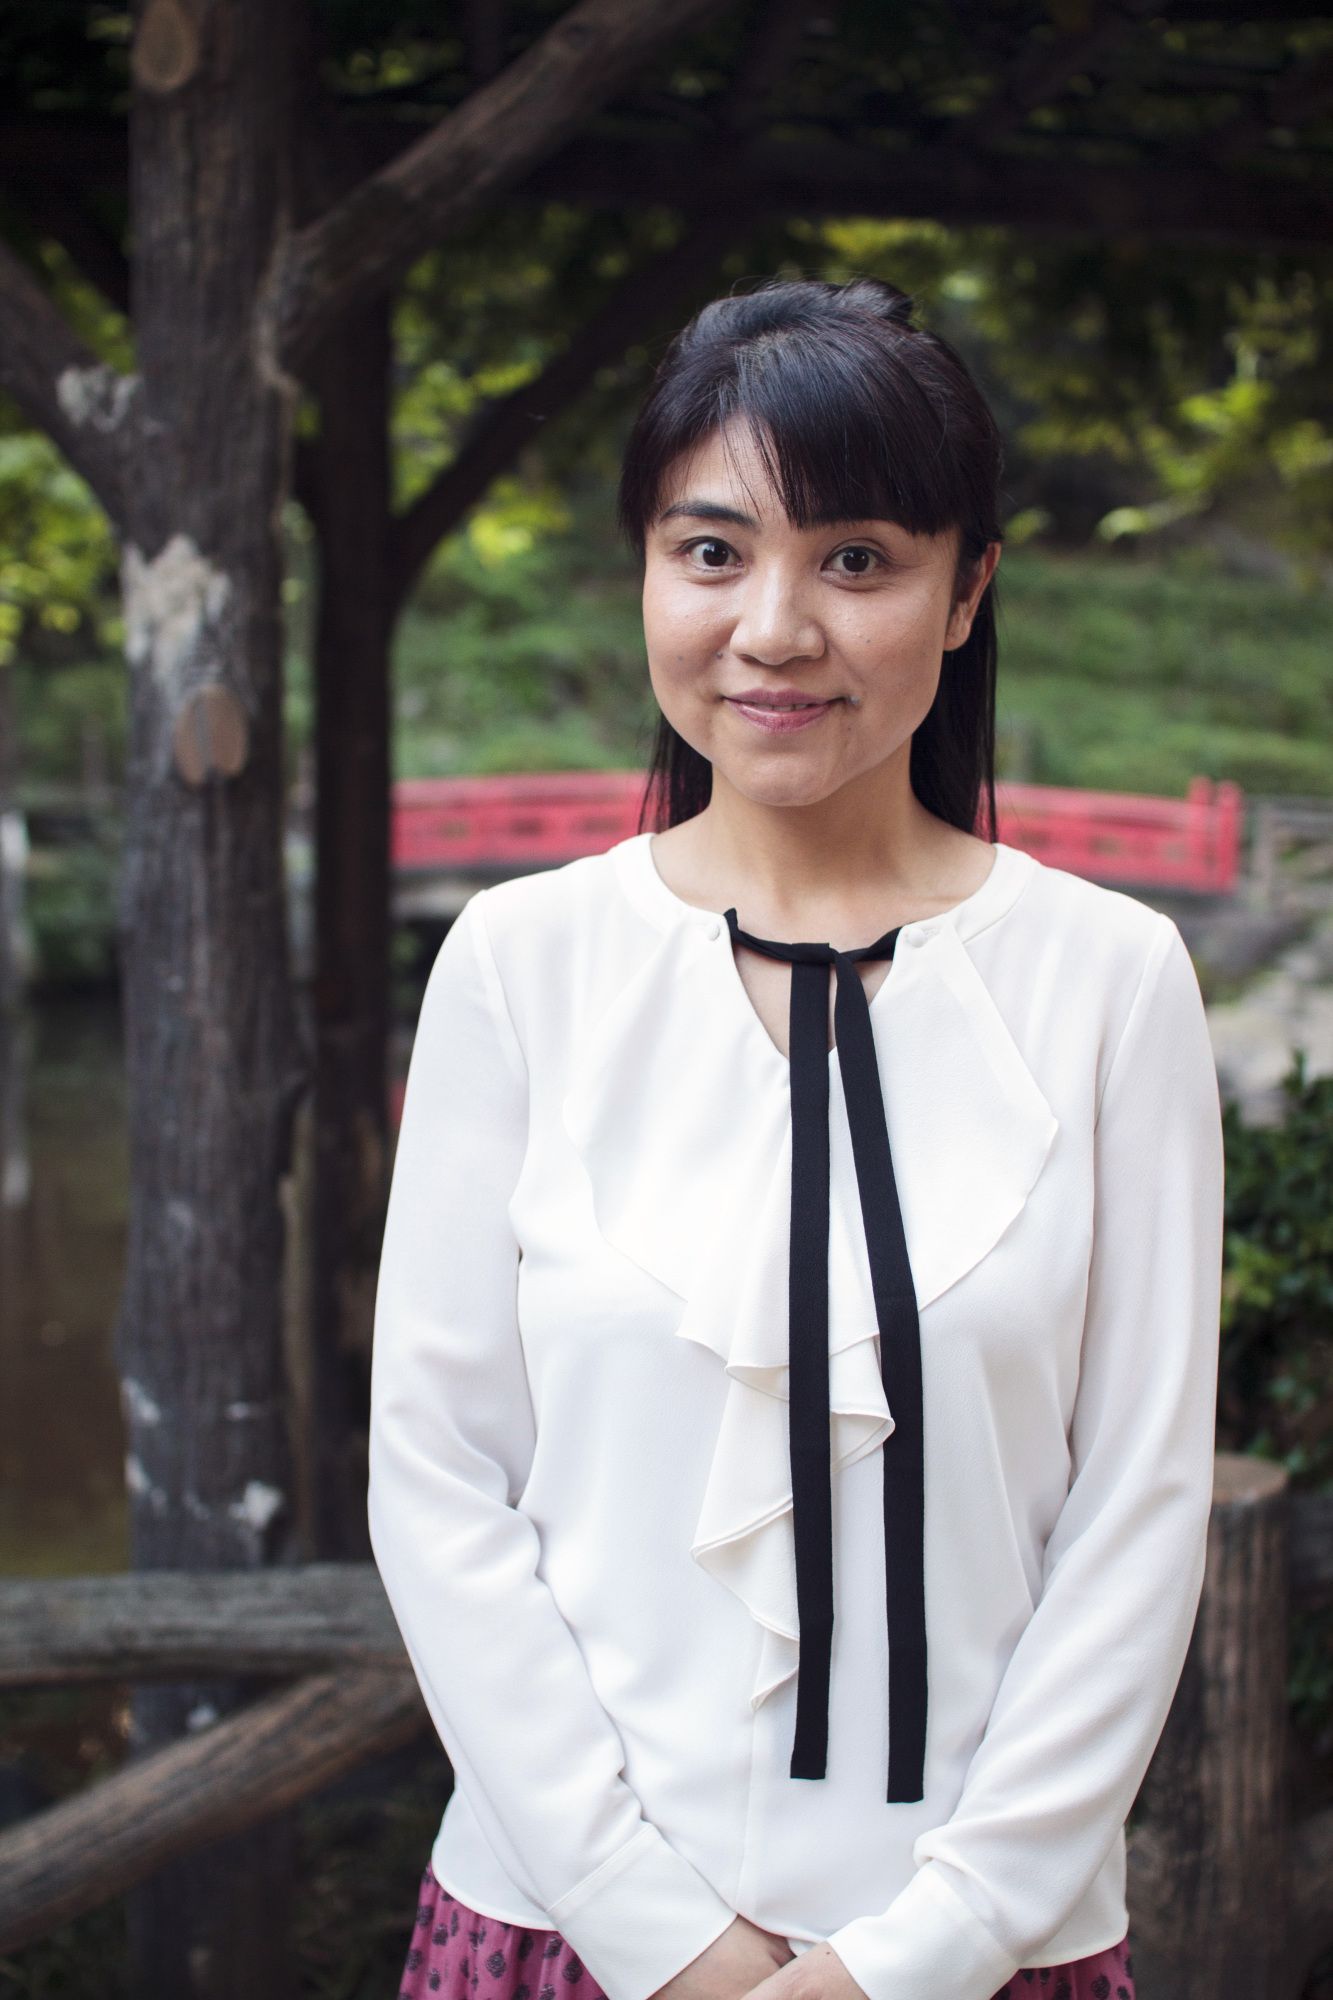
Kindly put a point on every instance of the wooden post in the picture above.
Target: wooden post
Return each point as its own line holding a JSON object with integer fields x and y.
{"x": 1209, "y": 1865}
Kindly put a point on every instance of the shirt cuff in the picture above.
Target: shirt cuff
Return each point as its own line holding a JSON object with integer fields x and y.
{"x": 640, "y": 1918}
{"x": 928, "y": 1945}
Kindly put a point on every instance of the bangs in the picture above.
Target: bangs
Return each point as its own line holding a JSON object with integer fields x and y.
{"x": 853, "y": 420}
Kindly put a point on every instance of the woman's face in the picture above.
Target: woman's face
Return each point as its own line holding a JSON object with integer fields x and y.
{"x": 794, "y": 659}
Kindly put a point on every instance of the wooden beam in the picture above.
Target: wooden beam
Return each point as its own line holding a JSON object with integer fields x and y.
{"x": 367, "y": 242}
{"x": 185, "y": 1625}
{"x": 1178, "y": 201}
{"x": 203, "y": 1788}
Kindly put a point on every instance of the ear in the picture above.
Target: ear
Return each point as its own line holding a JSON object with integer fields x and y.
{"x": 972, "y": 585}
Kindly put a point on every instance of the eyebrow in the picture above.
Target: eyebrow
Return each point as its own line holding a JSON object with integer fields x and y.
{"x": 708, "y": 510}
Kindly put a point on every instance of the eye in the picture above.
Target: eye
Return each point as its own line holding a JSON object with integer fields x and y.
{"x": 854, "y": 561}
{"x": 711, "y": 554}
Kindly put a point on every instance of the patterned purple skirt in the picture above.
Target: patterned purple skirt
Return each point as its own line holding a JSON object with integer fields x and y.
{"x": 458, "y": 1955}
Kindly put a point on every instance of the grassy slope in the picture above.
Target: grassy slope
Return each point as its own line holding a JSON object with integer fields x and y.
{"x": 1135, "y": 676}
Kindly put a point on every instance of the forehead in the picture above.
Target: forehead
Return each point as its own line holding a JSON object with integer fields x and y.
{"x": 727, "y": 466}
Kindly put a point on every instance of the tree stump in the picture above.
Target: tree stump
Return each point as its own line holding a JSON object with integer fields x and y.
{"x": 1208, "y": 1868}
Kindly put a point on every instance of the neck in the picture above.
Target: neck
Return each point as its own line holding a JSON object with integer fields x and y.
{"x": 865, "y": 858}
{"x": 870, "y": 832}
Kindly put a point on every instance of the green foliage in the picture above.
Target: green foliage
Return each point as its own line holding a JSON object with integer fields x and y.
{"x": 72, "y": 719}
{"x": 57, "y": 555}
{"x": 84, "y": 1960}
{"x": 480, "y": 320}
{"x": 361, "y": 1859}
{"x": 1136, "y": 675}
{"x": 1276, "y": 1377}
{"x": 72, "y": 725}
{"x": 524, "y": 650}
{"x": 1310, "y": 1677}
{"x": 63, "y": 57}
{"x": 1275, "y": 1381}
{"x": 71, "y": 900}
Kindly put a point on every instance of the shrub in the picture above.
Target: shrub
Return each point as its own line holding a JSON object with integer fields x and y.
{"x": 1275, "y": 1389}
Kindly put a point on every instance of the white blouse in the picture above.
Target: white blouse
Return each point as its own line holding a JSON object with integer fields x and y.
{"x": 580, "y": 1497}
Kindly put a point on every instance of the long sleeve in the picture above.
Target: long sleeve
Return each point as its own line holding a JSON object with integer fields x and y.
{"x": 1085, "y": 1694}
{"x": 452, "y": 1437}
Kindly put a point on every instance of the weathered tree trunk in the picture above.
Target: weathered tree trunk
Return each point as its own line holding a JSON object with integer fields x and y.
{"x": 1209, "y": 1861}
{"x": 351, "y": 503}
{"x": 209, "y": 1032}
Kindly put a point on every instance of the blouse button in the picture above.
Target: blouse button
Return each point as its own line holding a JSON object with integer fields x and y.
{"x": 714, "y": 931}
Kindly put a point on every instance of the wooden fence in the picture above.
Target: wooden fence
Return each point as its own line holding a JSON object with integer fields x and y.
{"x": 1228, "y": 1900}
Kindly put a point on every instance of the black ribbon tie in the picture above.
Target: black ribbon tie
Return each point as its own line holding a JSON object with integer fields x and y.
{"x": 808, "y": 1355}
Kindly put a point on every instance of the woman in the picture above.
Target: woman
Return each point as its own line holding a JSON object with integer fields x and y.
{"x": 790, "y": 1471}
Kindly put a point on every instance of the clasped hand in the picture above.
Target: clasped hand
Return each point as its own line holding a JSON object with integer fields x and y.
{"x": 748, "y": 1961}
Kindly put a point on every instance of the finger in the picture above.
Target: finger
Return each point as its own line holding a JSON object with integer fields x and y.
{"x": 775, "y": 1987}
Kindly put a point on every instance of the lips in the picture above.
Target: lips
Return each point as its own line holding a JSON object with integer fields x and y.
{"x": 779, "y": 711}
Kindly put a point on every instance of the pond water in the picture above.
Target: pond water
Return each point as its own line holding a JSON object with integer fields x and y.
{"x": 62, "y": 1248}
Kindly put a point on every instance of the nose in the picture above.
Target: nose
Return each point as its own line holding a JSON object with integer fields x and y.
{"x": 776, "y": 624}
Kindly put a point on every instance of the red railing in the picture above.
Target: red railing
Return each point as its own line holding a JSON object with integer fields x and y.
{"x": 1127, "y": 840}
{"x": 539, "y": 821}
{"x": 533, "y": 820}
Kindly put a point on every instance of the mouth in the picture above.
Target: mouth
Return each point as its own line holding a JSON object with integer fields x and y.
{"x": 780, "y": 711}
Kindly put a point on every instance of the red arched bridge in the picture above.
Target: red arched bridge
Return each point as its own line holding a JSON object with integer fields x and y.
{"x": 458, "y": 832}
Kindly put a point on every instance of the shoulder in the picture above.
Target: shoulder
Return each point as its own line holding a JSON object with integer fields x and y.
{"x": 1073, "y": 967}
{"x": 568, "y": 909}
{"x": 1092, "y": 933}
{"x": 564, "y": 941}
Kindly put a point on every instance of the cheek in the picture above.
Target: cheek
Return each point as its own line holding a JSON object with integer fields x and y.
{"x": 683, "y": 633}
{"x": 898, "y": 651}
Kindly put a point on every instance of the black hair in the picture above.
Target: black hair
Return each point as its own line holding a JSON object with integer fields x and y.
{"x": 857, "y": 414}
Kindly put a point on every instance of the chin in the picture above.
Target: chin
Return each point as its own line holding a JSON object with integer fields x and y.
{"x": 778, "y": 782}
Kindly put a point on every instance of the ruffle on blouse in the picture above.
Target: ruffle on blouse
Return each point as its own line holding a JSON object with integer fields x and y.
{"x": 682, "y": 1118}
